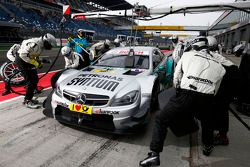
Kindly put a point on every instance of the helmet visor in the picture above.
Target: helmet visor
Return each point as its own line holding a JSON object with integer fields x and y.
{"x": 47, "y": 45}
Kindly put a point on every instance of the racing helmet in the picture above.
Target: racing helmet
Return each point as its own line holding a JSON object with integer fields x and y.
{"x": 49, "y": 41}
{"x": 212, "y": 42}
{"x": 117, "y": 42}
{"x": 80, "y": 32}
{"x": 107, "y": 43}
{"x": 66, "y": 51}
{"x": 199, "y": 43}
{"x": 174, "y": 39}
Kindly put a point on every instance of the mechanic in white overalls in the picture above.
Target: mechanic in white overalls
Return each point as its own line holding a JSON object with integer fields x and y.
{"x": 28, "y": 62}
{"x": 11, "y": 55}
{"x": 178, "y": 49}
{"x": 118, "y": 43}
{"x": 99, "y": 48}
{"x": 197, "y": 77}
{"x": 72, "y": 59}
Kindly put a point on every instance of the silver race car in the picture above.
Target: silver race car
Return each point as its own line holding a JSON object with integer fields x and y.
{"x": 114, "y": 94}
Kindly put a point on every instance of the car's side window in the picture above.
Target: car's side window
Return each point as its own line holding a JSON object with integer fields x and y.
{"x": 157, "y": 57}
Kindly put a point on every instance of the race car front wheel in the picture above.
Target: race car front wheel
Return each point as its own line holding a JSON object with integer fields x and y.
{"x": 10, "y": 71}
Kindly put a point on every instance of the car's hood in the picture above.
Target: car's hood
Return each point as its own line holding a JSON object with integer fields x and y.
{"x": 102, "y": 80}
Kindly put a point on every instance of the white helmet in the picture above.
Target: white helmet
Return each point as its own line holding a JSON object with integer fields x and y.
{"x": 199, "y": 42}
{"x": 116, "y": 40}
{"x": 107, "y": 42}
{"x": 212, "y": 42}
{"x": 66, "y": 51}
{"x": 49, "y": 39}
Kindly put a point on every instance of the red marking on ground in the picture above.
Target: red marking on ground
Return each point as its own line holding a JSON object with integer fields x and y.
{"x": 44, "y": 82}
{"x": 165, "y": 51}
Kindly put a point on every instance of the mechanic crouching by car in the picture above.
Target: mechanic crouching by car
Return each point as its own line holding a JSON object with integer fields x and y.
{"x": 99, "y": 48}
{"x": 11, "y": 55}
{"x": 28, "y": 62}
{"x": 80, "y": 44}
{"x": 196, "y": 77}
{"x": 72, "y": 59}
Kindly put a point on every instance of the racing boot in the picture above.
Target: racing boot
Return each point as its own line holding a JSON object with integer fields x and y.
{"x": 206, "y": 150}
{"x": 33, "y": 104}
{"x": 6, "y": 92}
{"x": 37, "y": 91}
{"x": 153, "y": 159}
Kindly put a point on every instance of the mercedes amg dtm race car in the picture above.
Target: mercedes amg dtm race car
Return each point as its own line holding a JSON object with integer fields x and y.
{"x": 114, "y": 94}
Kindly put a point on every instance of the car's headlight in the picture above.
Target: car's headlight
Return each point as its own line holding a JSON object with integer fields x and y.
{"x": 127, "y": 99}
{"x": 58, "y": 91}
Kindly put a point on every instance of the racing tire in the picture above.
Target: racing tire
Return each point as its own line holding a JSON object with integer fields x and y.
{"x": 7, "y": 70}
{"x": 55, "y": 77}
{"x": 154, "y": 105}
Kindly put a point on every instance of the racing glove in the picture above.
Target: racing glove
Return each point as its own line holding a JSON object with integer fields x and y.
{"x": 70, "y": 39}
{"x": 79, "y": 44}
{"x": 40, "y": 65}
{"x": 37, "y": 64}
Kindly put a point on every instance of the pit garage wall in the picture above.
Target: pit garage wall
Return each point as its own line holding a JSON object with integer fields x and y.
{"x": 233, "y": 36}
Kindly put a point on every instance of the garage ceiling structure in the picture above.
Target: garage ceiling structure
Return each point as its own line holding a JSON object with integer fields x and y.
{"x": 113, "y": 4}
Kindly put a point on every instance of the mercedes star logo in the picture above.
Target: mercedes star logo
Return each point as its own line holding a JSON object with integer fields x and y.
{"x": 81, "y": 99}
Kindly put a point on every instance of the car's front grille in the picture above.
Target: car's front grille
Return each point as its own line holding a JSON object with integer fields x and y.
{"x": 91, "y": 99}
{"x": 97, "y": 121}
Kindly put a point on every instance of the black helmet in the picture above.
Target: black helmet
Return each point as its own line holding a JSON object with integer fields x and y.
{"x": 49, "y": 41}
{"x": 175, "y": 39}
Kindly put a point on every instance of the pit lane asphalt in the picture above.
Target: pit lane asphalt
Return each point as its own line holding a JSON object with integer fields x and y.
{"x": 29, "y": 139}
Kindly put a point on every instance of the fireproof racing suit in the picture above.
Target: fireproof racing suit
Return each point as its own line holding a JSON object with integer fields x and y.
{"x": 79, "y": 43}
{"x": 197, "y": 76}
{"x": 11, "y": 54}
{"x": 178, "y": 51}
{"x": 27, "y": 61}
{"x": 204, "y": 77}
{"x": 75, "y": 60}
{"x": 98, "y": 49}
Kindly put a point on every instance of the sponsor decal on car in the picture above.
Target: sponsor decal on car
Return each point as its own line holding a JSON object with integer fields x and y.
{"x": 81, "y": 108}
{"x": 126, "y": 52}
{"x": 103, "y": 70}
{"x": 98, "y": 81}
{"x": 100, "y": 111}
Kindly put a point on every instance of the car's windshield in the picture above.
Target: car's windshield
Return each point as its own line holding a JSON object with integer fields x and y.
{"x": 121, "y": 61}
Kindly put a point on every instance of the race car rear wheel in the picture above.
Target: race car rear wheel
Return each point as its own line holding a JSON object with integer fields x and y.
{"x": 9, "y": 71}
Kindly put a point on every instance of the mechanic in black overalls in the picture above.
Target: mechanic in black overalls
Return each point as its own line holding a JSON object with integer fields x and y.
{"x": 28, "y": 62}
{"x": 244, "y": 93}
{"x": 197, "y": 76}
{"x": 225, "y": 95}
